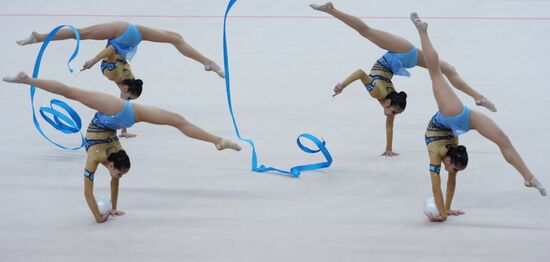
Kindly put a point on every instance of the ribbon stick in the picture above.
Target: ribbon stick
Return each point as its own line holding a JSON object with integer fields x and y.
{"x": 70, "y": 124}
{"x": 294, "y": 171}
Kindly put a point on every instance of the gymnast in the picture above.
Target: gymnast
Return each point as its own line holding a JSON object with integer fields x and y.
{"x": 400, "y": 55}
{"x": 123, "y": 40}
{"x": 102, "y": 144}
{"x": 453, "y": 119}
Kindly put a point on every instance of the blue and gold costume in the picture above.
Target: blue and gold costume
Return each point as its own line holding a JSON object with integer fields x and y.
{"x": 442, "y": 132}
{"x": 383, "y": 70}
{"x": 114, "y": 58}
{"x": 378, "y": 82}
{"x": 101, "y": 138}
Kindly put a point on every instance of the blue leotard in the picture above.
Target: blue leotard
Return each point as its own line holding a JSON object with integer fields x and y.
{"x": 126, "y": 44}
{"x": 122, "y": 119}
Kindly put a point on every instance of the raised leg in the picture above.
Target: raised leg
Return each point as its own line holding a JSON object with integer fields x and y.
{"x": 104, "y": 103}
{"x": 163, "y": 36}
{"x": 95, "y": 32}
{"x": 490, "y": 130}
{"x": 448, "y": 103}
{"x": 380, "y": 38}
{"x": 457, "y": 82}
{"x": 159, "y": 116}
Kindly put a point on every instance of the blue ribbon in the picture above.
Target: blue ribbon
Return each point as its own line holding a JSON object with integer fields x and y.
{"x": 66, "y": 124}
{"x": 295, "y": 171}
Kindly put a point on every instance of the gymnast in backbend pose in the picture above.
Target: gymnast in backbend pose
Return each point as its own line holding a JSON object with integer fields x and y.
{"x": 123, "y": 39}
{"x": 401, "y": 54}
{"x": 452, "y": 120}
{"x": 102, "y": 145}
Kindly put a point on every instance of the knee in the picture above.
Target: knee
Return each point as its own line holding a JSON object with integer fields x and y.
{"x": 448, "y": 69}
{"x": 176, "y": 38}
{"x": 177, "y": 35}
{"x": 451, "y": 70}
{"x": 506, "y": 147}
{"x": 503, "y": 140}
{"x": 71, "y": 94}
{"x": 435, "y": 73}
{"x": 365, "y": 31}
{"x": 177, "y": 119}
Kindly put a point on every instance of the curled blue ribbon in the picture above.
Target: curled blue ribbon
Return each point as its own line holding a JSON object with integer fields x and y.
{"x": 66, "y": 124}
{"x": 295, "y": 171}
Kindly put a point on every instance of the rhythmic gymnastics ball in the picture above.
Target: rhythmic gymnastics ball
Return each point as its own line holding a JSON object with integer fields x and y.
{"x": 103, "y": 204}
{"x": 430, "y": 208}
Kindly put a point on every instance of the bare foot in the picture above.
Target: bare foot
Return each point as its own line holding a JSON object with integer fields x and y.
{"x": 29, "y": 40}
{"x": 323, "y": 8}
{"x": 536, "y": 184}
{"x": 19, "y": 78}
{"x": 483, "y": 101}
{"x": 420, "y": 25}
{"x": 214, "y": 67}
{"x": 226, "y": 143}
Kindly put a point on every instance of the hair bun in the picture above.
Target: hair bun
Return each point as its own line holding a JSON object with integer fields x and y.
{"x": 138, "y": 82}
{"x": 402, "y": 94}
{"x": 461, "y": 149}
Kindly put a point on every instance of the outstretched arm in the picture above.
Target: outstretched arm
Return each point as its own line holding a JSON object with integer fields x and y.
{"x": 91, "y": 167}
{"x": 438, "y": 197}
{"x": 451, "y": 184}
{"x": 105, "y": 53}
{"x": 357, "y": 75}
{"x": 435, "y": 166}
{"x": 114, "y": 197}
{"x": 389, "y": 137}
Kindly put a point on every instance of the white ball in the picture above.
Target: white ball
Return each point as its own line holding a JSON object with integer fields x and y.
{"x": 430, "y": 208}
{"x": 103, "y": 204}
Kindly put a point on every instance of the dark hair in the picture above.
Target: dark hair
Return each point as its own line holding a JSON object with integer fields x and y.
{"x": 398, "y": 99}
{"x": 135, "y": 86}
{"x": 120, "y": 160}
{"x": 459, "y": 156}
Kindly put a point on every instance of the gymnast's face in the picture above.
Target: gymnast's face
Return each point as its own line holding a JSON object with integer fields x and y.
{"x": 124, "y": 94}
{"x": 450, "y": 167}
{"x": 115, "y": 173}
{"x": 391, "y": 111}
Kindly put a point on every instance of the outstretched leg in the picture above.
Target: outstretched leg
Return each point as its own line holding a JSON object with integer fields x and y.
{"x": 159, "y": 116}
{"x": 490, "y": 130}
{"x": 95, "y": 32}
{"x": 163, "y": 36}
{"x": 447, "y": 101}
{"x": 104, "y": 103}
{"x": 457, "y": 82}
{"x": 380, "y": 38}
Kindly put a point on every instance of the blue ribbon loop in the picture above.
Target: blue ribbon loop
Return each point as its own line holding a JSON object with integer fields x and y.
{"x": 295, "y": 171}
{"x": 66, "y": 124}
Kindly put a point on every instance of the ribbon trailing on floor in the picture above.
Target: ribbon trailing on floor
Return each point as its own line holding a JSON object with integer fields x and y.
{"x": 67, "y": 124}
{"x": 294, "y": 171}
